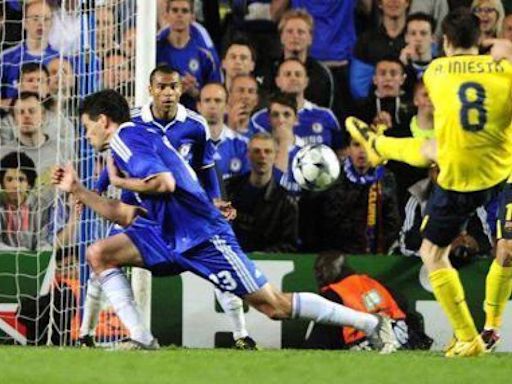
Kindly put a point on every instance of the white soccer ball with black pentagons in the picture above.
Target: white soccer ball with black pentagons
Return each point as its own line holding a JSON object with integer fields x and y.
{"x": 315, "y": 167}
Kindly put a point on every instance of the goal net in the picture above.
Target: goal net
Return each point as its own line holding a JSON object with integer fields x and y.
{"x": 54, "y": 52}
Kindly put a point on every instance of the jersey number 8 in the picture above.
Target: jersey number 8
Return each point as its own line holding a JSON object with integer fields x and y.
{"x": 472, "y": 97}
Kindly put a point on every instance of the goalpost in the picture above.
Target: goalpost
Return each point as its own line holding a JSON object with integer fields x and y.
{"x": 95, "y": 45}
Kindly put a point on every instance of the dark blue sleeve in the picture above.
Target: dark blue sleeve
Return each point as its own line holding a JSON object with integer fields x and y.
{"x": 136, "y": 154}
{"x": 210, "y": 182}
{"x": 103, "y": 182}
{"x": 361, "y": 74}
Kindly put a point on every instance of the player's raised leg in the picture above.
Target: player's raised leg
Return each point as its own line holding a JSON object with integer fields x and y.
{"x": 418, "y": 152}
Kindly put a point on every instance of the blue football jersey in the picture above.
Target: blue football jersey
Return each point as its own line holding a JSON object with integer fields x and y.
{"x": 231, "y": 154}
{"x": 187, "y": 216}
{"x": 315, "y": 125}
{"x": 11, "y": 61}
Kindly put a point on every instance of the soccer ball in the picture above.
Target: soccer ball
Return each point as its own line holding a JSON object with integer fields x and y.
{"x": 315, "y": 167}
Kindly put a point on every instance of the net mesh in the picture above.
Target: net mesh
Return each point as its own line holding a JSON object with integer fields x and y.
{"x": 53, "y": 53}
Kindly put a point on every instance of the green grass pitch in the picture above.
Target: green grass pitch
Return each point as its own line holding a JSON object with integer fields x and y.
{"x": 188, "y": 366}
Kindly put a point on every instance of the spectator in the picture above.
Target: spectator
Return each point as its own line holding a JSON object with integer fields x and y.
{"x": 333, "y": 43}
{"x": 63, "y": 87}
{"x": 340, "y": 283}
{"x": 422, "y": 124}
{"x": 491, "y": 14}
{"x": 359, "y": 213}
{"x": 316, "y": 125}
{"x": 35, "y": 47}
{"x": 437, "y": 9}
{"x": 420, "y": 49}
{"x": 196, "y": 64}
{"x": 242, "y": 101}
{"x": 28, "y": 134}
{"x": 106, "y": 34}
{"x": 296, "y": 33}
{"x": 26, "y": 211}
{"x": 506, "y": 28}
{"x": 387, "y": 40}
{"x": 239, "y": 59}
{"x": 475, "y": 239}
{"x": 129, "y": 41}
{"x": 34, "y": 77}
{"x": 116, "y": 69}
{"x": 267, "y": 216}
{"x": 230, "y": 148}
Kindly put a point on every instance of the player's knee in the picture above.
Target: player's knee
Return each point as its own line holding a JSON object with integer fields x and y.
{"x": 504, "y": 252}
{"x": 94, "y": 255}
{"x": 279, "y": 307}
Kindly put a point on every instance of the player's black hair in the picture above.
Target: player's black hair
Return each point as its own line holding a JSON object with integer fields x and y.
{"x": 107, "y": 102}
{"x": 162, "y": 68}
{"x": 18, "y": 160}
{"x": 283, "y": 98}
{"x": 462, "y": 29}
{"x": 421, "y": 16}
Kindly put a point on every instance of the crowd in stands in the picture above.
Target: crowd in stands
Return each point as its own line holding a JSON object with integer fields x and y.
{"x": 269, "y": 77}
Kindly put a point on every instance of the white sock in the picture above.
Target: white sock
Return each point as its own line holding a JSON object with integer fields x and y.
{"x": 233, "y": 306}
{"x": 310, "y": 306}
{"x": 118, "y": 291}
{"x": 92, "y": 306}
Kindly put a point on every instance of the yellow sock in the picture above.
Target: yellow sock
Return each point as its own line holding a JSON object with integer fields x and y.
{"x": 450, "y": 294}
{"x": 498, "y": 287}
{"x": 407, "y": 150}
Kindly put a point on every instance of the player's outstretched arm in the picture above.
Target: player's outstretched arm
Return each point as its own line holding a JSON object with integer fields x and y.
{"x": 500, "y": 48}
{"x": 66, "y": 180}
{"x": 156, "y": 184}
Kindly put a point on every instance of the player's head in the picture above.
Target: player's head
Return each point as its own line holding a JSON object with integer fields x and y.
{"x": 239, "y": 57}
{"x": 262, "y": 151}
{"x": 282, "y": 110}
{"x": 165, "y": 88}
{"x": 292, "y": 77}
{"x": 419, "y": 32}
{"x": 180, "y": 14}
{"x": 17, "y": 176}
{"x": 101, "y": 114}
{"x": 460, "y": 30}
{"x": 212, "y": 103}
{"x": 296, "y": 31}
{"x": 389, "y": 77}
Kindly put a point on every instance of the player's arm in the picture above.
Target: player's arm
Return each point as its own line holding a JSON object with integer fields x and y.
{"x": 66, "y": 180}
{"x": 155, "y": 184}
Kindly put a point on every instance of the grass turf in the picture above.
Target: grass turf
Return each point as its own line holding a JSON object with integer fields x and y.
{"x": 188, "y": 366}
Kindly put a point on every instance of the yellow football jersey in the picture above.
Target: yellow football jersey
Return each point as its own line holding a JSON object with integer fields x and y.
{"x": 472, "y": 98}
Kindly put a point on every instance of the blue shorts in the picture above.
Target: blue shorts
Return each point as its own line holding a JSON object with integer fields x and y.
{"x": 147, "y": 237}
{"x": 448, "y": 212}
{"x": 219, "y": 260}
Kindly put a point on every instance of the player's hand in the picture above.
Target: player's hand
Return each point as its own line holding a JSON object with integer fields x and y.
{"x": 500, "y": 48}
{"x": 115, "y": 176}
{"x": 65, "y": 178}
{"x": 225, "y": 207}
